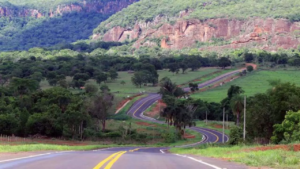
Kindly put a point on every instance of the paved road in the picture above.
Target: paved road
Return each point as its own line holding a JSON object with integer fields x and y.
{"x": 211, "y": 136}
{"x": 127, "y": 157}
{"x": 117, "y": 158}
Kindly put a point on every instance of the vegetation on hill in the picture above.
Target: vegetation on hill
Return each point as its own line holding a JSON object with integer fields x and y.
{"x": 25, "y": 33}
{"x": 145, "y": 10}
{"x": 43, "y": 5}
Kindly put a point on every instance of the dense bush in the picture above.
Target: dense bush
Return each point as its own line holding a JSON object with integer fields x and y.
{"x": 236, "y": 135}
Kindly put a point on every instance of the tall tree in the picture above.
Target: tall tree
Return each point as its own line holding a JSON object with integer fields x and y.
{"x": 138, "y": 78}
{"x": 237, "y": 105}
{"x": 100, "y": 106}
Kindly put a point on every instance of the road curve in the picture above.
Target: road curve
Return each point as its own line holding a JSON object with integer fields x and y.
{"x": 210, "y": 136}
{"x": 126, "y": 157}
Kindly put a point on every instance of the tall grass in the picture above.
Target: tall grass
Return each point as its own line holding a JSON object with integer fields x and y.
{"x": 273, "y": 158}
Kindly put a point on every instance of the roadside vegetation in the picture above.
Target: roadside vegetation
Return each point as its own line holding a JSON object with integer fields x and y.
{"x": 257, "y": 156}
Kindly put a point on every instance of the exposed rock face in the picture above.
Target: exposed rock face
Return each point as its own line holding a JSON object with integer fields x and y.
{"x": 268, "y": 34}
{"x": 106, "y": 7}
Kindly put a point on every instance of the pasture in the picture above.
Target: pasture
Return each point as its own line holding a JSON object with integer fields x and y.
{"x": 252, "y": 83}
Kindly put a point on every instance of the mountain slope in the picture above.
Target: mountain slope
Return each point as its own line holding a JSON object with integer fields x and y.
{"x": 179, "y": 24}
{"x": 30, "y": 23}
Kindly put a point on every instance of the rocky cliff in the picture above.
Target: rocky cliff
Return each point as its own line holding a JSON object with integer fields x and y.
{"x": 104, "y": 7}
{"x": 267, "y": 34}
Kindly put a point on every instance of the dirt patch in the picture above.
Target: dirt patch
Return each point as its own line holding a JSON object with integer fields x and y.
{"x": 18, "y": 140}
{"x": 217, "y": 126}
{"x": 188, "y": 136}
{"x": 145, "y": 124}
{"x": 154, "y": 112}
{"x": 252, "y": 64}
{"x": 295, "y": 147}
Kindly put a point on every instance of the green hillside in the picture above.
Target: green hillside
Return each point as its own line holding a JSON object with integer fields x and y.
{"x": 21, "y": 33}
{"x": 37, "y": 4}
{"x": 146, "y": 10}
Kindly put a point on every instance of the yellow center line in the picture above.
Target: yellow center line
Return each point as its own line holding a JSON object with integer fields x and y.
{"x": 141, "y": 106}
{"x": 111, "y": 163}
{"x": 212, "y": 134}
{"x": 107, "y": 159}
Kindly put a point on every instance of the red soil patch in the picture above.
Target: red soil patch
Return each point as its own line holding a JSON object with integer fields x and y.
{"x": 145, "y": 124}
{"x": 295, "y": 147}
{"x": 155, "y": 110}
{"x": 188, "y": 136}
{"x": 17, "y": 140}
{"x": 217, "y": 126}
{"x": 251, "y": 64}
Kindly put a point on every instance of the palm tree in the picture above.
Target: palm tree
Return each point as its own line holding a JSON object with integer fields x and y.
{"x": 237, "y": 105}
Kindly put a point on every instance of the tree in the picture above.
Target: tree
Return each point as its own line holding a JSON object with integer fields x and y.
{"x": 99, "y": 107}
{"x": 138, "y": 78}
{"x": 113, "y": 74}
{"x": 183, "y": 67}
{"x": 179, "y": 113}
{"x": 168, "y": 88}
{"x": 224, "y": 62}
{"x": 90, "y": 88}
{"x": 194, "y": 87}
{"x": 248, "y": 57}
{"x": 101, "y": 77}
{"x": 289, "y": 130}
{"x": 237, "y": 105}
{"x": 174, "y": 67}
{"x": 23, "y": 86}
{"x": 266, "y": 110}
{"x": 193, "y": 62}
{"x": 104, "y": 88}
{"x": 123, "y": 82}
{"x": 234, "y": 90}
{"x": 249, "y": 68}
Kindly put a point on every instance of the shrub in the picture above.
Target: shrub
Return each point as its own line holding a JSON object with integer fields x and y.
{"x": 236, "y": 135}
{"x": 249, "y": 68}
{"x": 170, "y": 136}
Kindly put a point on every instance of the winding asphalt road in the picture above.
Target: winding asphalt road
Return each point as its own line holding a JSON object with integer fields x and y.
{"x": 127, "y": 157}
{"x": 209, "y": 136}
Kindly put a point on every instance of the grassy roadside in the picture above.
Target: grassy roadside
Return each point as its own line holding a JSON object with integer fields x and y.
{"x": 216, "y": 125}
{"x": 249, "y": 155}
{"x": 207, "y": 78}
{"x": 43, "y": 147}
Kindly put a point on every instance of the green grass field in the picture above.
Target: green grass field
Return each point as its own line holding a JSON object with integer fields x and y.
{"x": 252, "y": 83}
{"x": 128, "y": 89}
{"x": 278, "y": 158}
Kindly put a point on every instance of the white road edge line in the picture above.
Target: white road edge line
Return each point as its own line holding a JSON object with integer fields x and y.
{"x": 200, "y": 161}
{"x": 31, "y": 156}
{"x": 162, "y": 151}
{"x": 14, "y": 159}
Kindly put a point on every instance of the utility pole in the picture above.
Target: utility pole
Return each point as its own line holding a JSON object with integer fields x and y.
{"x": 223, "y": 125}
{"x": 227, "y": 124}
{"x": 206, "y": 117}
{"x": 244, "y": 134}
